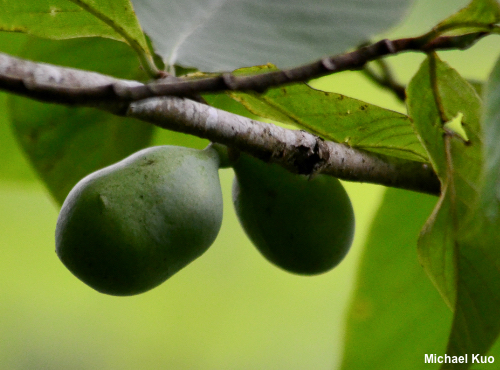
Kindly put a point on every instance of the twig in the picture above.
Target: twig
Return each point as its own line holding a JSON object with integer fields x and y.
{"x": 354, "y": 60}
{"x": 386, "y": 79}
{"x": 145, "y": 57}
{"x": 118, "y": 91}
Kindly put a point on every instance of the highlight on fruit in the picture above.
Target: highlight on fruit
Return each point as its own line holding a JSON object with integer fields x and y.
{"x": 128, "y": 227}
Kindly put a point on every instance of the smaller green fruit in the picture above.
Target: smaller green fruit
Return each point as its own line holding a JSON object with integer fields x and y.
{"x": 303, "y": 226}
{"x": 128, "y": 227}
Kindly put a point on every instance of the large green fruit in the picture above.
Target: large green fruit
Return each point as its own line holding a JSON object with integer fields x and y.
{"x": 128, "y": 227}
{"x": 304, "y": 226}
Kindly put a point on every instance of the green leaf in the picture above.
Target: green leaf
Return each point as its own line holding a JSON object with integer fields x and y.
{"x": 225, "y": 35}
{"x": 396, "y": 316}
{"x": 477, "y": 323}
{"x": 63, "y": 143}
{"x": 167, "y": 137}
{"x": 63, "y": 19}
{"x": 422, "y": 109}
{"x": 14, "y": 166}
{"x": 479, "y": 15}
{"x": 478, "y": 86}
{"x": 436, "y": 247}
{"x": 491, "y": 127}
{"x": 226, "y": 102}
{"x": 458, "y": 247}
{"x": 336, "y": 117}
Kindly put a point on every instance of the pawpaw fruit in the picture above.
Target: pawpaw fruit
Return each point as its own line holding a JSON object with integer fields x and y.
{"x": 128, "y": 227}
{"x": 304, "y": 226}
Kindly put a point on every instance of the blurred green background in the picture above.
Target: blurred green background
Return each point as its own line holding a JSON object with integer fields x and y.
{"x": 230, "y": 309}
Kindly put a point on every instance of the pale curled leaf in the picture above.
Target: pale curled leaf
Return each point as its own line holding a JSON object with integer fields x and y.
{"x": 221, "y": 35}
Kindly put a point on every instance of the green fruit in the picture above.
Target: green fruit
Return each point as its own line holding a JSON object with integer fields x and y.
{"x": 128, "y": 227}
{"x": 303, "y": 226}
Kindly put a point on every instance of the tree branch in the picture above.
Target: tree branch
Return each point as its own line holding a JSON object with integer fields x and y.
{"x": 298, "y": 151}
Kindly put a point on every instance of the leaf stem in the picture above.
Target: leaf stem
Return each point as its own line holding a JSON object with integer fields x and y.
{"x": 435, "y": 88}
{"x": 144, "y": 55}
{"x": 386, "y": 79}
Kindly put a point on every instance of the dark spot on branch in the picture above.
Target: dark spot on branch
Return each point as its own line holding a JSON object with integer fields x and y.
{"x": 307, "y": 161}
